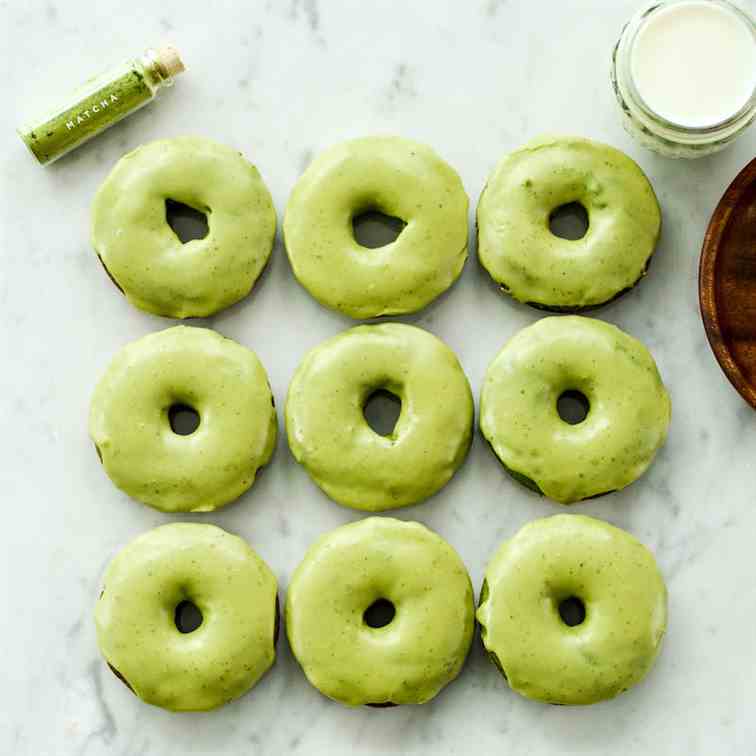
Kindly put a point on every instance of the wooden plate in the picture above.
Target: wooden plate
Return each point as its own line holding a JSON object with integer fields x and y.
{"x": 727, "y": 282}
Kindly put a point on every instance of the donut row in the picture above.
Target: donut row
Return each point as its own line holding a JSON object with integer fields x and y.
{"x": 381, "y": 612}
{"x": 393, "y": 176}
{"x": 225, "y": 385}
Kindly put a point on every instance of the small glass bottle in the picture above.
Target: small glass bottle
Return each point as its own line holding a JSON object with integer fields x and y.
{"x": 101, "y": 102}
{"x": 686, "y": 137}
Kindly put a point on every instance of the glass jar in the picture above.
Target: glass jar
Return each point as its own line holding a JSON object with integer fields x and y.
{"x": 653, "y": 130}
{"x": 99, "y": 103}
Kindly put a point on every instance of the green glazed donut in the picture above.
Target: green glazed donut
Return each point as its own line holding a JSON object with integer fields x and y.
{"x": 393, "y": 176}
{"x": 328, "y": 433}
{"x": 600, "y": 650}
{"x": 130, "y": 419}
{"x": 137, "y": 629}
{"x": 515, "y": 243}
{"x": 145, "y": 258}
{"x": 348, "y": 572}
{"x": 628, "y": 416}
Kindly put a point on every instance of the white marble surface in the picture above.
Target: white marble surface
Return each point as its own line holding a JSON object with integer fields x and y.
{"x": 280, "y": 81}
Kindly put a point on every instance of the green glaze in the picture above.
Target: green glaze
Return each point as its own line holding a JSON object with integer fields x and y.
{"x": 143, "y": 255}
{"x": 226, "y": 580}
{"x": 329, "y": 435}
{"x": 626, "y": 424}
{"x": 393, "y": 176}
{"x": 517, "y": 248}
{"x": 413, "y": 657}
{"x": 227, "y": 386}
{"x": 625, "y": 601}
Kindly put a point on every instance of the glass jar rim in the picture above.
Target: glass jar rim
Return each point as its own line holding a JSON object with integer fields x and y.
{"x": 634, "y": 27}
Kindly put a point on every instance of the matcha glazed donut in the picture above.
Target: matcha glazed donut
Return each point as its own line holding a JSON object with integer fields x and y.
{"x": 522, "y": 255}
{"x": 572, "y": 610}
{"x": 130, "y": 419}
{"x": 144, "y": 588}
{"x": 407, "y": 656}
{"x": 145, "y": 258}
{"x": 393, "y": 176}
{"x": 329, "y": 435}
{"x": 626, "y": 423}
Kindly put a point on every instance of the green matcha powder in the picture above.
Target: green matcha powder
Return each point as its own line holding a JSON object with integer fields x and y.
{"x": 101, "y": 102}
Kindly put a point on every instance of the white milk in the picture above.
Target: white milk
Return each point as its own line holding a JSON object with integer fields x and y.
{"x": 694, "y": 63}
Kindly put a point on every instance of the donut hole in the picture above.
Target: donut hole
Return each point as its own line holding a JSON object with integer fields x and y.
{"x": 379, "y": 614}
{"x": 187, "y": 223}
{"x": 373, "y": 229}
{"x": 187, "y": 617}
{"x": 184, "y": 419}
{"x": 381, "y": 410}
{"x": 573, "y": 406}
{"x": 572, "y": 611}
{"x": 569, "y": 221}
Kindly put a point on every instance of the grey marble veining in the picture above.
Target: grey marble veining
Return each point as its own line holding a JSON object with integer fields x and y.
{"x": 281, "y": 81}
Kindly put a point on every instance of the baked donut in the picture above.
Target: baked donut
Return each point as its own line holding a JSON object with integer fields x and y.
{"x": 329, "y": 435}
{"x": 572, "y": 610}
{"x": 626, "y": 422}
{"x": 144, "y": 589}
{"x": 399, "y": 178}
{"x": 522, "y": 255}
{"x": 147, "y": 260}
{"x": 130, "y": 419}
{"x": 410, "y": 653}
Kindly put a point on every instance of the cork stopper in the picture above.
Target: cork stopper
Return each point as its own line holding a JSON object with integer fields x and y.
{"x": 169, "y": 60}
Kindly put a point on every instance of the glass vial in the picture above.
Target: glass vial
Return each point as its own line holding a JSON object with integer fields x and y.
{"x": 684, "y": 74}
{"x": 101, "y": 102}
